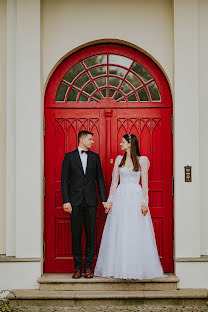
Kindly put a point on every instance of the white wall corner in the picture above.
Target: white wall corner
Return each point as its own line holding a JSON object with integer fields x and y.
{"x": 186, "y": 149}
{"x": 3, "y": 8}
{"x": 11, "y": 129}
{"x": 203, "y": 126}
{"x": 28, "y": 130}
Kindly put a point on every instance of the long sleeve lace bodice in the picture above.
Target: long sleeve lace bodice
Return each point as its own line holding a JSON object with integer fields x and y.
{"x": 115, "y": 178}
{"x": 127, "y": 175}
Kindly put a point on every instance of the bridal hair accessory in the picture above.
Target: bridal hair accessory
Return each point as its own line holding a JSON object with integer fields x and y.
{"x": 129, "y": 135}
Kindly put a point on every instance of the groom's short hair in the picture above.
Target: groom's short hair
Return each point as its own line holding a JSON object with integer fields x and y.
{"x": 83, "y": 133}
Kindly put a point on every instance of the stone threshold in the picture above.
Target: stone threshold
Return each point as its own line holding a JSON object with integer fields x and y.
{"x": 4, "y": 258}
{"x": 31, "y": 294}
{"x": 85, "y": 294}
{"x": 48, "y": 278}
{"x": 182, "y": 297}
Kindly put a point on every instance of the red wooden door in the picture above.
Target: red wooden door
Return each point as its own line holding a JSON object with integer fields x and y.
{"x": 153, "y": 130}
{"x": 62, "y": 127}
{"x": 110, "y": 90}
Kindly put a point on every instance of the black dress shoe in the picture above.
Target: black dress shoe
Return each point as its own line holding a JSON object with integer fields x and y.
{"x": 88, "y": 273}
{"x": 77, "y": 274}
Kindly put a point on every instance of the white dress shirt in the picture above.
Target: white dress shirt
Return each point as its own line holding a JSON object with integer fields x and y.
{"x": 83, "y": 157}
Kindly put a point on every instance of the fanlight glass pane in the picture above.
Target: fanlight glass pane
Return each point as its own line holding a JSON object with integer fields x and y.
{"x": 141, "y": 71}
{"x": 119, "y": 71}
{"x": 113, "y": 81}
{"x": 89, "y": 88}
{"x": 81, "y": 80}
{"x": 125, "y": 87}
{"x": 101, "y": 81}
{"x": 143, "y": 96}
{"x": 60, "y": 95}
{"x": 122, "y": 100}
{"x": 104, "y": 92}
{"x": 118, "y": 95}
{"x": 97, "y": 96}
{"x": 73, "y": 72}
{"x": 92, "y": 100}
{"x": 154, "y": 92}
{"x": 120, "y": 60}
{"x": 134, "y": 80}
{"x": 132, "y": 98}
{"x": 95, "y": 60}
{"x": 83, "y": 98}
{"x": 111, "y": 92}
{"x": 72, "y": 96}
{"x": 97, "y": 71}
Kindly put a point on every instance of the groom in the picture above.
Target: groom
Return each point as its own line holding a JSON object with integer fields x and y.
{"x": 80, "y": 169}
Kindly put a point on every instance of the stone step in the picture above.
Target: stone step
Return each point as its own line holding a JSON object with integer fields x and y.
{"x": 196, "y": 297}
{"x": 61, "y": 282}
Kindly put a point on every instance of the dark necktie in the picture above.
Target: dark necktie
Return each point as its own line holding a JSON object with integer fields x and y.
{"x": 84, "y": 152}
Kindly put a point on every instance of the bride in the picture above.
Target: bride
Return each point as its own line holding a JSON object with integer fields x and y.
{"x": 128, "y": 248}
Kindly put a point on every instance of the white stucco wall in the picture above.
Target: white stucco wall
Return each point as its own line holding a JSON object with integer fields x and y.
{"x": 2, "y": 126}
{"x": 17, "y": 275}
{"x": 69, "y": 24}
{"x": 186, "y": 139}
{"x": 203, "y": 125}
{"x": 11, "y": 128}
{"x": 177, "y": 41}
{"x": 28, "y": 130}
{"x": 190, "y": 147}
{"x": 23, "y": 130}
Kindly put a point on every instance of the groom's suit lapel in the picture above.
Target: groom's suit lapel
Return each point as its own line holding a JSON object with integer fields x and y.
{"x": 78, "y": 159}
{"x": 79, "y": 162}
{"x": 89, "y": 160}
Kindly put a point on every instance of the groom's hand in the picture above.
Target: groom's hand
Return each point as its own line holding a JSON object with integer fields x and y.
{"x": 67, "y": 207}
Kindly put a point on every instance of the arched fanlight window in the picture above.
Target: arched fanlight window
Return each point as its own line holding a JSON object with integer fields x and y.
{"x": 108, "y": 76}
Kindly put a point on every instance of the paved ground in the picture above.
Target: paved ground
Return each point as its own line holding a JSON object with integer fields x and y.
{"x": 115, "y": 309}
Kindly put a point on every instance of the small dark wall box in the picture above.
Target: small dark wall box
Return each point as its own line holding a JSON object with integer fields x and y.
{"x": 188, "y": 177}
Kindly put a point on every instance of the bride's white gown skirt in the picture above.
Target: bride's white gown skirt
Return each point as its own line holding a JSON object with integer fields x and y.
{"x": 128, "y": 247}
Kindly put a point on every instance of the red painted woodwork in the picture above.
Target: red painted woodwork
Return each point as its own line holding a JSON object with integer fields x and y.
{"x": 153, "y": 130}
{"x": 108, "y": 119}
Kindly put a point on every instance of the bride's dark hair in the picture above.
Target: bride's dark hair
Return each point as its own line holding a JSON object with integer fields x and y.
{"x": 131, "y": 138}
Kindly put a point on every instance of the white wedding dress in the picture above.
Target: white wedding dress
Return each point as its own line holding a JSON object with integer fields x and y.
{"x": 128, "y": 248}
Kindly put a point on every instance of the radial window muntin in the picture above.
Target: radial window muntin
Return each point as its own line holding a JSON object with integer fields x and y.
{"x": 97, "y": 95}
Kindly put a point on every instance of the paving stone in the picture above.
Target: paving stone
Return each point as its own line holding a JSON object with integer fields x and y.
{"x": 103, "y": 308}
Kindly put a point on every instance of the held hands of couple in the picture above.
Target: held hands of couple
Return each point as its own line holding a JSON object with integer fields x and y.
{"x": 107, "y": 206}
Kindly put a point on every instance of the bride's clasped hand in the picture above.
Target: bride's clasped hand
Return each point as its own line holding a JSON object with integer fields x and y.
{"x": 107, "y": 206}
{"x": 144, "y": 210}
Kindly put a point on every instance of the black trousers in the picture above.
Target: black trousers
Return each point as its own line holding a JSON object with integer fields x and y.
{"x": 88, "y": 214}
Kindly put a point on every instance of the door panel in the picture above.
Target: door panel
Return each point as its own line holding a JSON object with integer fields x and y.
{"x": 62, "y": 127}
{"x": 152, "y": 128}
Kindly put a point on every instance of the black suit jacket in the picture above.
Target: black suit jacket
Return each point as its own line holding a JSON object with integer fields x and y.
{"x": 75, "y": 185}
